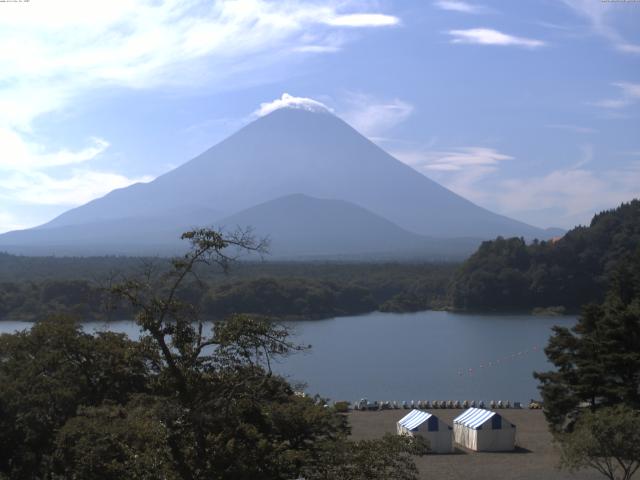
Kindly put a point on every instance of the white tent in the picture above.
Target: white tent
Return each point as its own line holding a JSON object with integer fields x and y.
{"x": 484, "y": 430}
{"x": 428, "y": 426}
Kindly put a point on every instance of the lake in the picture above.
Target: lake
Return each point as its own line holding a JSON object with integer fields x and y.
{"x": 413, "y": 356}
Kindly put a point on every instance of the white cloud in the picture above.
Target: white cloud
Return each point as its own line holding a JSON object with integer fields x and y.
{"x": 317, "y": 43}
{"x": 598, "y": 13}
{"x": 25, "y": 176}
{"x": 9, "y": 222}
{"x": 373, "y": 117}
{"x": 577, "y": 193}
{"x": 568, "y": 195}
{"x": 363, "y": 20}
{"x": 459, "y": 169}
{"x": 611, "y": 103}
{"x": 63, "y": 48}
{"x": 630, "y": 90}
{"x": 572, "y": 128}
{"x": 289, "y": 101}
{"x": 79, "y": 187}
{"x": 18, "y": 154}
{"x": 453, "y": 160}
{"x": 53, "y": 52}
{"x": 630, "y": 93}
{"x": 462, "y": 7}
{"x": 317, "y": 49}
{"x": 628, "y": 47}
{"x": 369, "y": 115}
{"x": 488, "y": 36}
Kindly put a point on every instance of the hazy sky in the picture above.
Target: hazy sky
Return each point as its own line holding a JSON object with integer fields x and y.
{"x": 528, "y": 108}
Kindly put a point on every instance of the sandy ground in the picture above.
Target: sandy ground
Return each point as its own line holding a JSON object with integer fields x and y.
{"x": 536, "y": 458}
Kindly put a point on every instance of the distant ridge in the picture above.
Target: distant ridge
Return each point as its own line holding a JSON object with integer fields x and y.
{"x": 301, "y": 226}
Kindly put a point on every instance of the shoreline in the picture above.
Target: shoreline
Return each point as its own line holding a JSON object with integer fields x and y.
{"x": 535, "y": 312}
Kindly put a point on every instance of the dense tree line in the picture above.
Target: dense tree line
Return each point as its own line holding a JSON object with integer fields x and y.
{"x": 288, "y": 297}
{"x": 289, "y": 290}
{"x": 598, "y": 360}
{"x": 18, "y": 268}
{"x": 592, "y": 397}
{"x": 569, "y": 272}
{"x": 185, "y": 402}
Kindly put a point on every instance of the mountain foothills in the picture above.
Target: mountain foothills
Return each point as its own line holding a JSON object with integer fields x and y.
{"x": 306, "y": 178}
{"x": 570, "y": 272}
{"x": 303, "y": 226}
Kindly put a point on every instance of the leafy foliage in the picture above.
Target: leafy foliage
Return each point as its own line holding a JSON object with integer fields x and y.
{"x": 46, "y": 374}
{"x": 181, "y": 403}
{"x": 598, "y": 360}
{"x": 390, "y": 457}
{"x": 569, "y": 272}
{"x": 607, "y": 440}
{"x": 112, "y": 442}
{"x": 288, "y": 298}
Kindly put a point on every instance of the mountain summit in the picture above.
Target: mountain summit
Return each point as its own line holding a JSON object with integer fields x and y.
{"x": 288, "y": 151}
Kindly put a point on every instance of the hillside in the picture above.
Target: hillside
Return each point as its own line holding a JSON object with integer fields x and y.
{"x": 299, "y": 226}
{"x": 569, "y": 272}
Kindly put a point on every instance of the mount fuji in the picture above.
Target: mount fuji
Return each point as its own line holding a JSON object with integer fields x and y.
{"x": 309, "y": 162}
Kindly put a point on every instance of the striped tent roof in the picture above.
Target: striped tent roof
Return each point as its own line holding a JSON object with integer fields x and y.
{"x": 414, "y": 419}
{"x": 474, "y": 417}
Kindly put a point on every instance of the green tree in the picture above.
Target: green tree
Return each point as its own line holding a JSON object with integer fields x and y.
{"x": 111, "y": 442}
{"x": 607, "y": 440}
{"x": 571, "y": 271}
{"x": 225, "y": 413}
{"x": 46, "y": 374}
{"x": 186, "y": 402}
{"x": 598, "y": 360}
{"x": 388, "y": 458}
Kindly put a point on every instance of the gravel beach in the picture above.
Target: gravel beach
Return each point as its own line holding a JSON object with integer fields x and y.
{"x": 536, "y": 457}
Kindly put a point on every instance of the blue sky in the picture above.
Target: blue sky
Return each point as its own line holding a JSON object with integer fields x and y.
{"x": 530, "y": 109}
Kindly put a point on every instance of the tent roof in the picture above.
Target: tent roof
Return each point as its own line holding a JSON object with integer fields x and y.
{"x": 474, "y": 417}
{"x": 414, "y": 419}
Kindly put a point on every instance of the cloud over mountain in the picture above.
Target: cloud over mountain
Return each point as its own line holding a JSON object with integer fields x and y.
{"x": 289, "y": 101}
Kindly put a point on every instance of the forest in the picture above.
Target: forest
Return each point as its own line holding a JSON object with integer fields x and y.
{"x": 509, "y": 274}
{"x": 34, "y": 287}
{"x": 503, "y": 274}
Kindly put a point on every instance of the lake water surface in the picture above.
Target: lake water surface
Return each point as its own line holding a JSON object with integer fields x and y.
{"x": 418, "y": 356}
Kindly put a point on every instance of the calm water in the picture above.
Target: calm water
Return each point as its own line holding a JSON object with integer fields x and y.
{"x": 419, "y": 356}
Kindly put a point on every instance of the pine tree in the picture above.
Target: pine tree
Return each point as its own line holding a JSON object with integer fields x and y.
{"x": 598, "y": 360}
